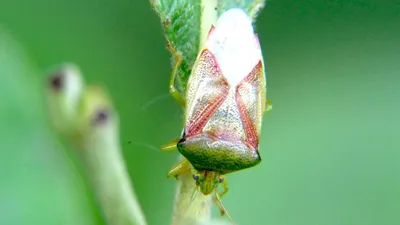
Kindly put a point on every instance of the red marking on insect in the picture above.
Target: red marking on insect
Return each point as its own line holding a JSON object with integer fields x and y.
{"x": 248, "y": 124}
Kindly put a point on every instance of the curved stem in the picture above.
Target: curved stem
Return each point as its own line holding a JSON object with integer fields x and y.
{"x": 85, "y": 116}
{"x": 105, "y": 165}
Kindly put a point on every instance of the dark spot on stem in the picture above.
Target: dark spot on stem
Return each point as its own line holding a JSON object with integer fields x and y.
{"x": 101, "y": 116}
{"x": 57, "y": 81}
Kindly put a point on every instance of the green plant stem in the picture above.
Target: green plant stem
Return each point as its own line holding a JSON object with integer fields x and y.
{"x": 208, "y": 18}
{"x": 85, "y": 116}
{"x": 186, "y": 209}
{"x": 106, "y": 168}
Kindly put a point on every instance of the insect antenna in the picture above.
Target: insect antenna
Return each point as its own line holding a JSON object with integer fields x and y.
{"x": 194, "y": 194}
{"x": 154, "y": 100}
{"x": 144, "y": 145}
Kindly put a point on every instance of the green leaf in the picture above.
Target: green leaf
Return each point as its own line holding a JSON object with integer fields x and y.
{"x": 182, "y": 21}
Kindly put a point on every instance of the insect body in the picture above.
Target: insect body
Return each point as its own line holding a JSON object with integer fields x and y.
{"x": 225, "y": 102}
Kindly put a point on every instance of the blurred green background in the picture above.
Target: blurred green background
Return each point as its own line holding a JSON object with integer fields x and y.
{"x": 330, "y": 146}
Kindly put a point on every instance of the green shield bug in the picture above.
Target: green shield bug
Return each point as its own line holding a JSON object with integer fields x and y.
{"x": 225, "y": 102}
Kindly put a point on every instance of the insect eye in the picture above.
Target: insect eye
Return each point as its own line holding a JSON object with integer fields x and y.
{"x": 221, "y": 179}
{"x": 196, "y": 177}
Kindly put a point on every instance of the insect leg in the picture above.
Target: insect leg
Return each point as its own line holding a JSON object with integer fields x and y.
{"x": 171, "y": 146}
{"x": 225, "y": 188}
{"x": 268, "y": 105}
{"x": 222, "y": 193}
{"x": 179, "y": 168}
{"x": 218, "y": 202}
{"x": 172, "y": 90}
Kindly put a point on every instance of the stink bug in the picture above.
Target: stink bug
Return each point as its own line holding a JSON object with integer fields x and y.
{"x": 225, "y": 102}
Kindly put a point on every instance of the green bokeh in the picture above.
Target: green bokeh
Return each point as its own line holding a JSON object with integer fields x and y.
{"x": 330, "y": 146}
